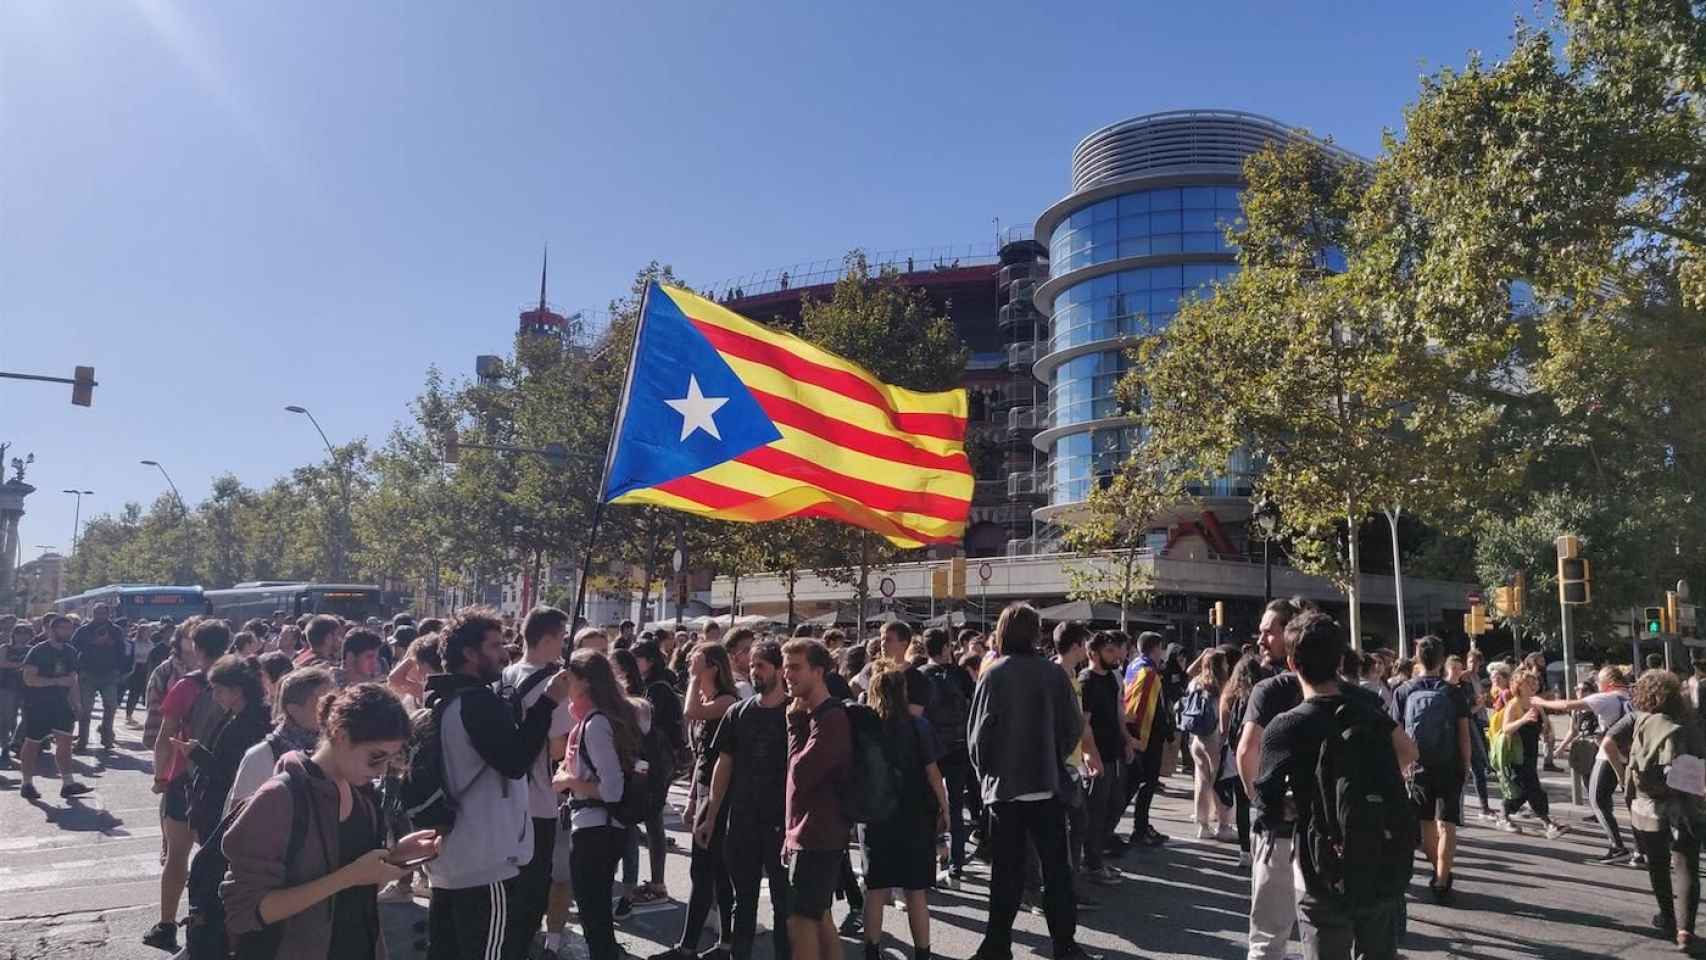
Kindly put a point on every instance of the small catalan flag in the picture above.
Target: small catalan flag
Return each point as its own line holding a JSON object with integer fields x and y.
{"x": 726, "y": 418}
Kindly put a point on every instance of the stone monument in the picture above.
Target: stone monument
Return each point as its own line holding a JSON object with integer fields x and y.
{"x": 12, "y": 494}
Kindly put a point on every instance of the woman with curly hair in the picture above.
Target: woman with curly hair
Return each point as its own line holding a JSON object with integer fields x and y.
{"x": 1666, "y": 820}
{"x": 1519, "y": 774}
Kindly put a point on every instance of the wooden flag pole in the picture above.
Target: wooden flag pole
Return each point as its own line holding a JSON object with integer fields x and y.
{"x": 616, "y": 415}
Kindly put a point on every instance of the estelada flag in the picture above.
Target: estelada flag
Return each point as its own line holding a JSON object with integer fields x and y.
{"x": 726, "y": 418}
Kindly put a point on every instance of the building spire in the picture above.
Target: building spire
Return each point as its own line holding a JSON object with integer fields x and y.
{"x": 544, "y": 267}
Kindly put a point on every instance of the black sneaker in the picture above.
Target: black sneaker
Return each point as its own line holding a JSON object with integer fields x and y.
{"x": 29, "y": 792}
{"x": 624, "y": 908}
{"x": 853, "y": 927}
{"x": 162, "y": 936}
{"x": 74, "y": 790}
{"x": 1616, "y": 855}
{"x": 1076, "y": 952}
{"x": 1153, "y": 838}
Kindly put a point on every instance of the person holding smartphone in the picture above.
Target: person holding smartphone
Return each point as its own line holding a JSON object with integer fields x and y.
{"x": 313, "y": 892}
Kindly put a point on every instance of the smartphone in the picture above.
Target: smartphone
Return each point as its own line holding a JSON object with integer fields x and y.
{"x": 411, "y": 864}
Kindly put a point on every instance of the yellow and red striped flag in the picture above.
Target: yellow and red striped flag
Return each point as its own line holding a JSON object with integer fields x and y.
{"x": 726, "y": 418}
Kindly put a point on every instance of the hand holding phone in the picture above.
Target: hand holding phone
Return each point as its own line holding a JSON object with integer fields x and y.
{"x": 413, "y": 850}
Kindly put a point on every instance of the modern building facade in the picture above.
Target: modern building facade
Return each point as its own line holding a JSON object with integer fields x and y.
{"x": 1143, "y": 228}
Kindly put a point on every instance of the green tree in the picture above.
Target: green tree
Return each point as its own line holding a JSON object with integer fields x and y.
{"x": 1112, "y": 534}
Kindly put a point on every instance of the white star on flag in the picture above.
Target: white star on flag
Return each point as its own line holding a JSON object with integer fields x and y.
{"x": 696, "y": 410}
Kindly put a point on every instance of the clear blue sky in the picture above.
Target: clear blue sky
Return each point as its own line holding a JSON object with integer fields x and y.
{"x": 230, "y": 207}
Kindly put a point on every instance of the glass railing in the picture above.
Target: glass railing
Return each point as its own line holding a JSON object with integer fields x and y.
{"x": 815, "y": 273}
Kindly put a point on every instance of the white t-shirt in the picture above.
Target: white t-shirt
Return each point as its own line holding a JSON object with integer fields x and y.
{"x": 1609, "y": 708}
{"x": 541, "y": 799}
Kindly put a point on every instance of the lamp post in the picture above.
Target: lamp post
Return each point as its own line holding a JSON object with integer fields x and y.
{"x": 1392, "y": 516}
{"x": 1266, "y": 515}
{"x": 341, "y": 541}
{"x": 182, "y": 510}
{"x": 77, "y": 515}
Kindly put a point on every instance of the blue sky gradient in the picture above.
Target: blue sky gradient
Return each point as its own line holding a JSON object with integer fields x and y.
{"x": 230, "y": 207}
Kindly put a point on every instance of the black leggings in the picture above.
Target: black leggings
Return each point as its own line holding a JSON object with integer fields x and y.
{"x": 1241, "y": 804}
{"x": 594, "y": 853}
{"x": 710, "y": 882}
{"x": 1602, "y": 786}
{"x": 1528, "y": 781}
{"x": 1675, "y": 878}
{"x": 134, "y": 686}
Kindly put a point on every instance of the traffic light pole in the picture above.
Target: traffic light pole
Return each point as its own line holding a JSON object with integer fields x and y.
{"x": 1567, "y": 626}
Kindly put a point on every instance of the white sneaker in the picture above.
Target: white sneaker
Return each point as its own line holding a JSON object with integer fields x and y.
{"x": 1556, "y": 830}
{"x": 1243, "y": 858}
{"x": 1204, "y": 833}
{"x": 1509, "y": 826}
{"x": 397, "y": 891}
{"x": 1227, "y": 832}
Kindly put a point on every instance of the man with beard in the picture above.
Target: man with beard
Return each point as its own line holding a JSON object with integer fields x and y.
{"x": 747, "y": 788}
{"x": 486, "y": 754}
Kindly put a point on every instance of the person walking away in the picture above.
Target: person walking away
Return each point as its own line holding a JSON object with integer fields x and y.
{"x": 1200, "y": 715}
{"x": 951, "y": 689}
{"x": 1024, "y": 721}
{"x": 306, "y": 853}
{"x": 12, "y": 686}
{"x": 1667, "y": 820}
{"x": 296, "y": 726}
{"x": 710, "y": 696}
{"x": 1148, "y": 716}
{"x": 51, "y": 699}
{"x": 1607, "y": 706}
{"x": 102, "y": 656}
{"x": 523, "y": 683}
{"x": 174, "y": 663}
{"x": 1465, "y": 676}
{"x": 1519, "y": 777}
{"x": 820, "y": 755}
{"x": 660, "y": 763}
{"x": 899, "y": 852}
{"x": 669, "y": 725}
{"x": 1099, "y": 691}
{"x": 1435, "y": 715}
{"x": 747, "y": 796}
{"x": 606, "y": 769}
{"x": 485, "y": 750}
{"x": 142, "y": 647}
{"x": 1354, "y": 858}
{"x": 1234, "y": 707}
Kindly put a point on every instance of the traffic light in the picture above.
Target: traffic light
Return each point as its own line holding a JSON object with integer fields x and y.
{"x": 1518, "y": 595}
{"x": 452, "y": 446}
{"x": 1575, "y": 575}
{"x": 1475, "y": 621}
{"x": 1672, "y": 602}
{"x": 957, "y": 578}
{"x": 1653, "y": 618}
{"x": 1217, "y": 616}
{"x": 83, "y": 386}
{"x": 939, "y": 583}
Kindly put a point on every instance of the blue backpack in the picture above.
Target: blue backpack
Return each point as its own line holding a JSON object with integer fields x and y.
{"x": 1198, "y": 714}
{"x": 1431, "y": 721}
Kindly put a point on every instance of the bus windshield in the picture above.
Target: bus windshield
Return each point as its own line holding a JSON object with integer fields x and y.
{"x": 153, "y": 606}
{"x": 355, "y": 605}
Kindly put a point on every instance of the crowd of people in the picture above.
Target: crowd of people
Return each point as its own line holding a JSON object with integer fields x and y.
{"x": 511, "y": 775}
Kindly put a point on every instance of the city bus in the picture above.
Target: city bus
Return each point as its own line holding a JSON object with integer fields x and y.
{"x": 352, "y": 601}
{"x": 137, "y": 601}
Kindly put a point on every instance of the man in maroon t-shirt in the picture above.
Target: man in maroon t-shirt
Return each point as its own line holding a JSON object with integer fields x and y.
{"x": 820, "y": 750}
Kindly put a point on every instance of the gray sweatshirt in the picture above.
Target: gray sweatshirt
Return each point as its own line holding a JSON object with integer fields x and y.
{"x": 1024, "y": 721}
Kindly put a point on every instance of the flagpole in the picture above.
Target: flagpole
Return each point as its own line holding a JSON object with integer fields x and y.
{"x": 610, "y": 454}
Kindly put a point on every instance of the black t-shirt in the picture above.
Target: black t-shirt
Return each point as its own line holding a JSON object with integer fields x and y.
{"x": 1274, "y": 696}
{"x": 100, "y": 647}
{"x": 838, "y": 687}
{"x": 355, "y": 910}
{"x": 1291, "y": 744}
{"x": 51, "y": 661}
{"x": 1101, "y": 698}
{"x": 1622, "y": 733}
{"x": 12, "y": 656}
{"x": 756, "y": 737}
{"x": 917, "y": 688}
{"x": 1460, "y": 710}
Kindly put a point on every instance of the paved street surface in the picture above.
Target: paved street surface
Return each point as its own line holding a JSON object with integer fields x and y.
{"x": 79, "y": 881}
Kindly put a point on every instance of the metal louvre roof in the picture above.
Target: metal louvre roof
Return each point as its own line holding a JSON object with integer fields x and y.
{"x": 1183, "y": 139}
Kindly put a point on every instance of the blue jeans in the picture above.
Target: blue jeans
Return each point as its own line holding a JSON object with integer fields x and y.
{"x": 88, "y": 685}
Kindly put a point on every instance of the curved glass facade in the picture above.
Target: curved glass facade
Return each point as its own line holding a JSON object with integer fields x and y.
{"x": 1129, "y": 302}
{"x": 1079, "y": 458}
{"x": 1145, "y": 223}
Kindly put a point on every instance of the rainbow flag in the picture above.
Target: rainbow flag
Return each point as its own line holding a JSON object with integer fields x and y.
{"x": 726, "y": 418}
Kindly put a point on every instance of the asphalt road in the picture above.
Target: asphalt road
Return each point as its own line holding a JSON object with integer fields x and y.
{"x": 79, "y": 881}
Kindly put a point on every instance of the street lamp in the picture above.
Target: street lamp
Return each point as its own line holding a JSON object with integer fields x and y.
{"x": 1267, "y": 517}
{"x": 182, "y": 510}
{"x": 77, "y": 516}
{"x": 1392, "y": 515}
{"x": 340, "y": 542}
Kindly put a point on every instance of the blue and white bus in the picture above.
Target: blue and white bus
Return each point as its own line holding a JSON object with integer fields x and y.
{"x": 137, "y": 601}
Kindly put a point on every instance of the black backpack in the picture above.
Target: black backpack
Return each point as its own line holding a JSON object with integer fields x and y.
{"x": 516, "y": 696}
{"x": 872, "y": 791}
{"x": 949, "y": 709}
{"x": 1361, "y": 831}
{"x": 422, "y": 795}
{"x": 639, "y": 798}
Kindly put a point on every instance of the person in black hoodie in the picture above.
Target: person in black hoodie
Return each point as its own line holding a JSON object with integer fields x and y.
{"x": 236, "y": 687}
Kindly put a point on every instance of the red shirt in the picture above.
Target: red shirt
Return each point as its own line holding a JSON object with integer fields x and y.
{"x": 177, "y": 706}
{"x": 820, "y": 750}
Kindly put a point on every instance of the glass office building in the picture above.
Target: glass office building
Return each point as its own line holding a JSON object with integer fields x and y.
{"x": 1143, "y": 228}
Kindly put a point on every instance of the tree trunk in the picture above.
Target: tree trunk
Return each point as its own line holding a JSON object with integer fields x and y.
{"x": 651, "y": 571}
{"x": 863, "y": 591}
{"x": 792, "y": 579}
{"x": 734, "y": 597}
{"x": 1354, "y": 590}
